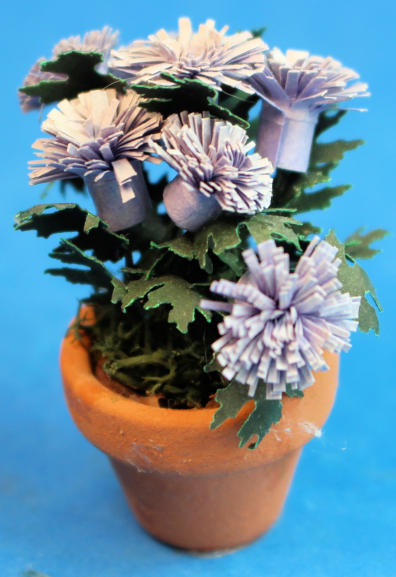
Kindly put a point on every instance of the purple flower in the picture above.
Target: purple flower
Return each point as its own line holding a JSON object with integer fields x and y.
{"x": 280, "y": 322}
{"x": 208, "y": 55}
{"x": 102, "y": 137}
{"x": 295, "y": 88}
{"x": 95, "y": 41}
{"x": 211, "y": 157}
{"x": 92, "y": 133}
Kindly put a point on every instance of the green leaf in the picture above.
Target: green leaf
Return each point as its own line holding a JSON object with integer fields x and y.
{"x": 368, "y": 319}
{"x": 265, "y": 413}
{"x": 357, "y": 245}
{"x": 134, "y": 290}
{"x": 258, "y": 32}
{"x": 231, "y": 400}
{"x": 93, "y": 233}
{"x": 218, "y": 236}
{"x": 320, "y": 199}
{"x": 294, "y": 392}
{"x": 181, "y": 246}
{"x": 265, "y": 226}
{"x": 183, "y": 299}
{"x": 80, "y": 68}
{"x": 184, "y": 94}
{"x": 94, "y": 273}
{"x": 357, "y": 283}
{"x": 234, "y": 261}
{"x": 328, "y": 119}
{"x": 164, "y": 290}
{"x": 252, "y": 131}
{"x": 333, "y": 152}
{"x": 224, "y": 235}
{"x": 237, "y": 102}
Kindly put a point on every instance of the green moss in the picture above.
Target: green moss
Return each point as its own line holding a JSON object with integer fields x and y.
{"x": 145, "y": 353}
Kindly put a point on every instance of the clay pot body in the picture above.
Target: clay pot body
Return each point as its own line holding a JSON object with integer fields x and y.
{"x": 189, "y": 486}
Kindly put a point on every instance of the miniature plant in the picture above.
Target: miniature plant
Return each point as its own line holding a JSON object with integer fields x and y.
{"x": 226, "y": 223}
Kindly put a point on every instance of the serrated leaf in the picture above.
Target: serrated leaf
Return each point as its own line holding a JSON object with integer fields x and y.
{"x": 223, "y": 236}
{"x": 332, "y": 151}
{"x": 94, "y": 273}
{"x": 184, "y": 94}
{"x": 181, "y": 246}
{"x": 356, "y": 282}
{"x": 264, "y": 415}
{"x": 318, "y": 200}
{"x": 327, "y": 119}
{"x": 219, "y": 236}
{"x": 81, "y": 77}
{"x": 357, "y": 245}
{"x": 231, "y": 400}
{"x": 183, "y": 299}
{"x": 234, "y": 261}
{"x": 368, "y": 318}
{"x": 265, "y": 226}
{"x": 93, "y": 233}
{"x": 134, "y": 290}
{"x": 237, "y": 102}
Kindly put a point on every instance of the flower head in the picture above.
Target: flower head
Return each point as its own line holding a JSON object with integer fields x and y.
{"x": 297, "y": 79}
{"x": 208, "y": 55}
{"x": 295, "y": 88}
{"x": 95, "y": 41}
{"x": 212, "y": 156}
{"x": 280, "y": 322}
{"x": 96, "y": 133}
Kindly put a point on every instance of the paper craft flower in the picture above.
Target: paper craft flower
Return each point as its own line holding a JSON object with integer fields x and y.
{"x": 280, "y": 322}
{"x": 95, "y": 41}
{"x": 102, "y": 137}
{"x": 215, "y": 170}
{"x": 208, "y": 55}
{"x": 295, "y": 88}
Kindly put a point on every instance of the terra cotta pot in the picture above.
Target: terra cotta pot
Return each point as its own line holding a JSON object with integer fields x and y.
{"x": 189, "y": 486}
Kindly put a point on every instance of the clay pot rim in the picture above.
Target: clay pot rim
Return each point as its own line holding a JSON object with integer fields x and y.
{"x": 156, "y": 438}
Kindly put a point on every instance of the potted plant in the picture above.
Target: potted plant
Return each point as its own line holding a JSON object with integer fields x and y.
{"x": 206, "y": 354}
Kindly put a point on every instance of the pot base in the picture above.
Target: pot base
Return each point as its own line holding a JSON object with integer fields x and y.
{"x": 208, "y": 513}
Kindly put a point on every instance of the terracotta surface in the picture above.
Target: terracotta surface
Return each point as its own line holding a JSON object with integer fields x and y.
{"x": 190, "y": 486}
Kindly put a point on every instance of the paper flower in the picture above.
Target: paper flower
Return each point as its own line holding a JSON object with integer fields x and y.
{"x": 280, "y": 322}
{"x": 102, "y": 137}
{"x": 95, "y": 41}
{"x": 215, "y": 170}
{"x": 295, "y": 88}
{"x": 208, "y": 55}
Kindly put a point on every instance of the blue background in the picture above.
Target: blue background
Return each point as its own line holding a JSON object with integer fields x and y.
{"x": 61, "y": 511}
